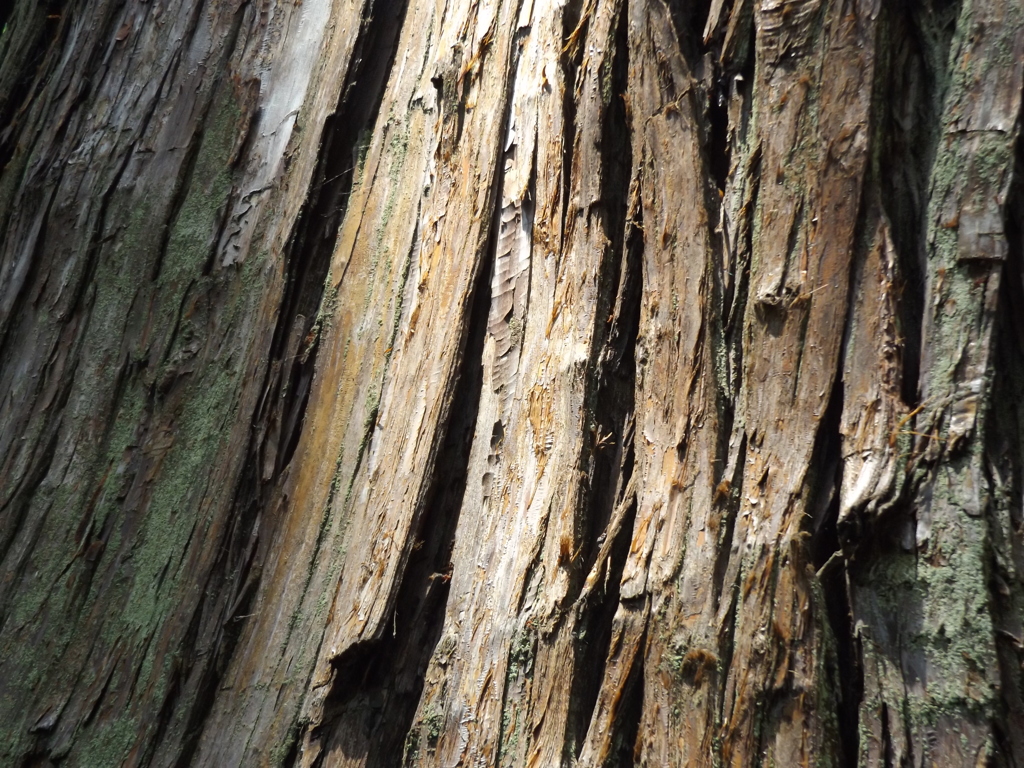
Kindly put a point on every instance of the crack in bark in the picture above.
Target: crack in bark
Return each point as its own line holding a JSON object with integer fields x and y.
{"x": 37, "y": 29}
{"x": 376, "y": 685}
{"x": 910, "y": 89}
{"x": 575, "y": 20}
{"x": 1005, "y": 477}
{"x": 613, "y": 407}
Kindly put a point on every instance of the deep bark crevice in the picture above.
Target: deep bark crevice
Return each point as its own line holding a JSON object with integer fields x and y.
{"x": 823, "y": 502}
{"x": 827, "y": 559}
{"x": 727, "y": 495}
{"x": 239, "y": 552}
{"x": 689, "y": 18}
{"x": 630, "y": 713}
{"x": 40, "y": 28}
{"x": 849, "y": 667}
{"x": 611, "y": 392}
{"x": 177, "y": 679}
{"x": 717, "y": 137}
{"x": 1004, "y": 453}
{"x": 595, "y": 625}
{"x": 5, "y": 14}
{"x": 725, "y": 78}
{"x": 287, "y": 381}
{"x": 594, "y": 635}
{"x": 909, "y": 93}
{"x": 377, "y": 685}
{"x": 574, "y": 28}
{"x": 611, "y": 389}
{"x": 735, "y": 299}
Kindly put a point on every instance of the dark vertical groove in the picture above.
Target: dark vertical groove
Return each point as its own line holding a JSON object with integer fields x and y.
{"x": 827, "y": 465}
{"x": 5, "y": 14}
{"x": 594, "y": 633}
{"x": 849, "y": 669}
{"x": 176, "y": 682}
{"x": 1004, "y": 451}
{"x": 38, "y": 28}
{"x": 821, "y": 523}
{"x": 729, "y": 334}
{"x": 733, "y": 319}
{"x": 727, "y": 495}
{"x": 377, "y": 685}
{"x": 287, "y": 381}
{"x": 611, "y": 393}
{"x": 611, "y": 389}
{"x": 714, "y": 106}
{"x": 689, "y": 17}
{"x": 721, "y": 140}
{"x": 716, "y": 141}
{"x": 909, "y": 92}
{"x": 573, "y": 29}
{"x": 627, "y": 737}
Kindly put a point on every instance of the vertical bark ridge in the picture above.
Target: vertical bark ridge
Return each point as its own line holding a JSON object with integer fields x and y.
{"x": 292, "y": 354}
{"x": 376, "y": 687}
{"x": 880, "y": 373}
{"x": 677, "y": 415}
{"x": 151, "y": 334}
{"x": 930, "y": 644}
{"x": 482, "y": 80}
{"x": 909, "y": 103}
{"x": 482, "y": 85}
{"x": 509, "y": 646}
{"x": 780, "y": 704}
{"x": 295, "y": 583}
{"x": 695, "y": 663}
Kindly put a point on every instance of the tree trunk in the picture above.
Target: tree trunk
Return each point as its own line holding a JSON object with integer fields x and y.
{"x": 492, "y": 383}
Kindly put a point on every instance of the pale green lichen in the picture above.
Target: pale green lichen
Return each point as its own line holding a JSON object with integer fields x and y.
{"x": 433, "y": 724}
{"x": 145, "y": 582}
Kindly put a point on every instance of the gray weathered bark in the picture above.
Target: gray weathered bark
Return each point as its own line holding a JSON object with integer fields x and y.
{"x": 534, "y": 383}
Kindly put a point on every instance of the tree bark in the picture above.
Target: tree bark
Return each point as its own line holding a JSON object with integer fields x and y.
{"x": 491, "y": 383}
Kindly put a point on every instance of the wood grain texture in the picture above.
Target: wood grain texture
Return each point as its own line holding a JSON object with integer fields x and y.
{"x": 511, "y": 383}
